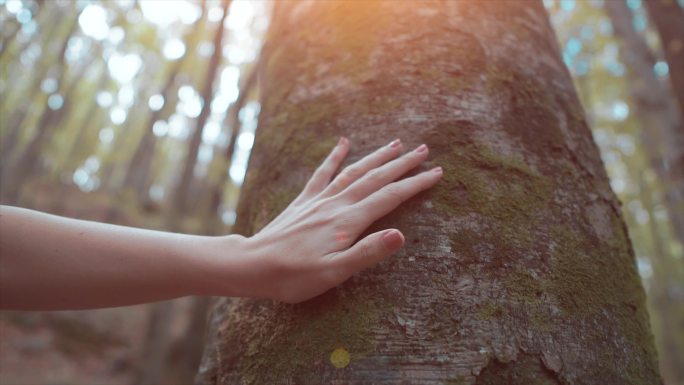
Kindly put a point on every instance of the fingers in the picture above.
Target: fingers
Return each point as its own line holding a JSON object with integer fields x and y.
{"x": 357, "y": 170}
{"x": 364, "y": 254}
{"x": 385, "y": 174}
{"x": 381, "y": 202}
{"x": 321, "y": 177}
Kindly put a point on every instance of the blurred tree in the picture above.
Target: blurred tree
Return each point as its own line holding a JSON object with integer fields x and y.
{"x": 517, "y": 267}
{"x": 226, "y": 157}
{"x": 662, "y": 133}
{"x": 662, "y": 127}
{"x": 29, "y": 157}
{"x": 10, "y": 38}
{"x": 138, "y": 173}
{"x": 81, "y": 146}
{"x": 159, "y": 354}
{"x": 179, "y": 201}
{"x": 668, "y": 17}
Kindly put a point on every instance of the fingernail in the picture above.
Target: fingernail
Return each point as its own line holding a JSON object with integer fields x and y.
{"x": 395, "y": 143}
{"x": 421, "y": 148}
{"x": 393, "y": 239}
{"x": 342, "y": 141}
{"x": 437, "y": 170}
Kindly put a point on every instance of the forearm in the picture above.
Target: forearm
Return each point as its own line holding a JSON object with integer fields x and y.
{"x": 52, "y": 262}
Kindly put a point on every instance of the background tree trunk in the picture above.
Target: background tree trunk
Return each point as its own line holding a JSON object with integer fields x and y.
{"x": 661, "y": 121}
{"x": 668, "y": 17}
{"x": 517, "y": 269}
{"x": 179, "y": 202}
{"x": 138, "y": 173}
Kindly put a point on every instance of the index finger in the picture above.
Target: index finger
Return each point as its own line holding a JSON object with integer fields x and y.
{"x": 388, "y": 198}
{"x": 324, "y": 173}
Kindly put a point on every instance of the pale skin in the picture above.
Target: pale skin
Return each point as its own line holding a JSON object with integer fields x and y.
{"x": 49, "y": 262}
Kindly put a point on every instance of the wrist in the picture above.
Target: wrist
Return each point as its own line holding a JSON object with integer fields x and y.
{"x": 221, "y": 266}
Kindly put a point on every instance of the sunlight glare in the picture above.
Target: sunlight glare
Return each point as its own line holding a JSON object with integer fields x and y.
{"x": 126, "y": 95}
{"x": 104, "y": 99}
{"x": 123, "y": 68}
{"x": 106, "y": 135}
{"x": 211, "y": 132}
{"x": 117, "y": 115}
{"x": 49, "y": 85}
{"x": 190, "y": 102}
{"x": 55, "y": 101}
{"x": 245, "y": 141}
{"x": 156, "y": 102}
{"x": 174, "y": 49}
{"x": 14, "y": 6}
{"x": 164, "y": 13}
{"x": 160, "y": 128}
{"x": 93, "y": 22}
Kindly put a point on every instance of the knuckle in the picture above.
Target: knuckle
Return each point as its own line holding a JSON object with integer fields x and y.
{"x": 353, "y": 172}
{"x": 393, "y": 194}
{"x": 345, "y": 224}
{"x": 374, "y": 175}
{"x": 367, "y": 251}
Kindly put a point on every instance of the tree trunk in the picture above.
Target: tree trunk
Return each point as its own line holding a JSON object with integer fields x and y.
{"x": 662, "y": 127}
{"x": 178, "y": 205}
{"x": 30, "y": 158}
{"x": 20, "y": 111}
{"x": 668, "y": 17}
{"x": 138, "y": 173}
{"x": 667, "y": 309}
{"x": 213, "y": 222}
{"x": 517, "y": 267}
{"x": 88, "y": 128}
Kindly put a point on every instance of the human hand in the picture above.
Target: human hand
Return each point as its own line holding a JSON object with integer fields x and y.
{"x": 310, "y": 247}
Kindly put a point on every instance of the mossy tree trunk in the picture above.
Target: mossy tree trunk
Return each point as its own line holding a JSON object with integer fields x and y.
{"x": 517, "y": 268}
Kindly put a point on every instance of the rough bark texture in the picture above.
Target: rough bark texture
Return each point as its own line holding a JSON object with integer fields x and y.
{"x": 517, "y": 268}
{"x": 661, "y": 121}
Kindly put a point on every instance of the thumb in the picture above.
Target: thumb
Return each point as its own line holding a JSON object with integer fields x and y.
{"x": 367, "y": 252}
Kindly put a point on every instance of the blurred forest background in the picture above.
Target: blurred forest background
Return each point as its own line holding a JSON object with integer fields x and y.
{"x": 143, "y": 112}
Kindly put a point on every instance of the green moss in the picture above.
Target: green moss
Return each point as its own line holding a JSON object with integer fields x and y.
{"x": 478, "y": 180}
{"x": 524, "y": 370}
{"x": 301, "y": 337}
{"x": 523, "y": 286}
{"x": 460, "y": 380}
{"x": 490, "y": 310}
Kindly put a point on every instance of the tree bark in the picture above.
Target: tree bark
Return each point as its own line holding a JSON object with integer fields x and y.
{"x": 517, "y": 267}
{"x": 662, "y": 127}
{"x": 668, "y": 17}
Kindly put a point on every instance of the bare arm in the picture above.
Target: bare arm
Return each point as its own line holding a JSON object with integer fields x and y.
{"x": 51, "y": 262}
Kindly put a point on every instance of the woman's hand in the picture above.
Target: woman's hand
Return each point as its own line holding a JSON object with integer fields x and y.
{"x": 310, "y": 247}
{"x": 51, "y": 262}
